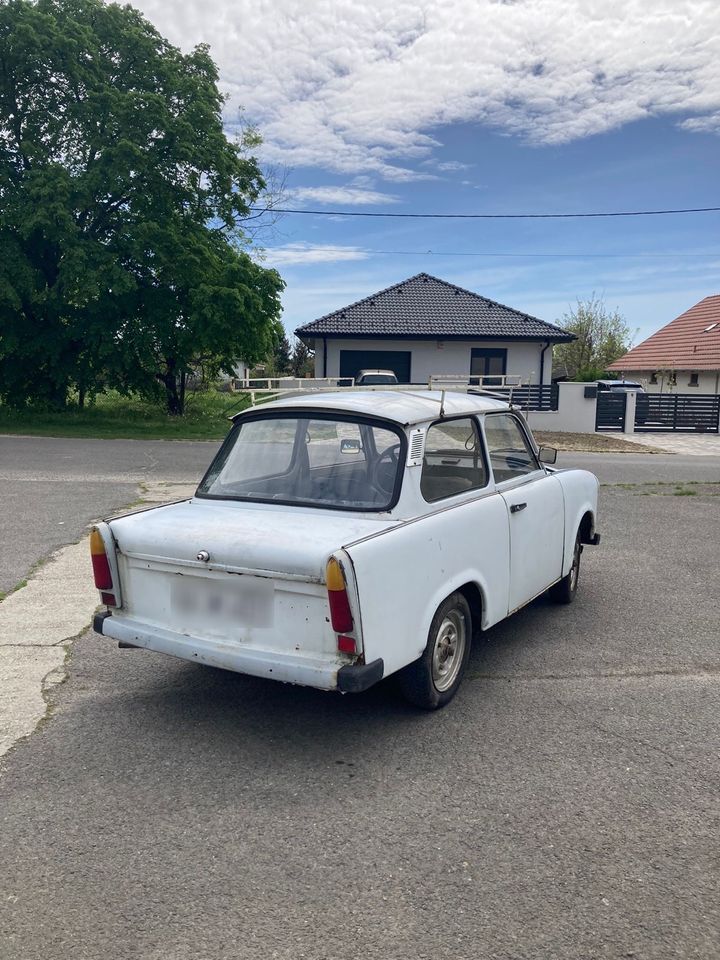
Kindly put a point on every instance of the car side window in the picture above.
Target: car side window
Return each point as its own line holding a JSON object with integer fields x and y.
{"x": 453, "y": 461}
{"x": 510, "y": 453}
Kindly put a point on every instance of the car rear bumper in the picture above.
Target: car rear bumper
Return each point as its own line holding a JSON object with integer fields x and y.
{"x": 324, "y": 674}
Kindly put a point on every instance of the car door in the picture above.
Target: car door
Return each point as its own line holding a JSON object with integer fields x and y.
{"x": 535, "y": 505}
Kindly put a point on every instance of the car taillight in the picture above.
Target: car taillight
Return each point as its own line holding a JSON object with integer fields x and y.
{"x": 340, "y": 613}
{"x": 346, "y": 645}
{"x": 101, "y": 568}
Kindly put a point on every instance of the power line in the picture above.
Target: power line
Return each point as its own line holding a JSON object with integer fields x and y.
{"x": 564, "y": 256}
{"x": 484, "y": 216}
{"x": 369, "y": 252}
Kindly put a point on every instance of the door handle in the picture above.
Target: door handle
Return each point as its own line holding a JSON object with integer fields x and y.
{"x": 517, "y": 507}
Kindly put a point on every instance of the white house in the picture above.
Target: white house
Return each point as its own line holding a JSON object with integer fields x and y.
{"x": 424, "y": 326}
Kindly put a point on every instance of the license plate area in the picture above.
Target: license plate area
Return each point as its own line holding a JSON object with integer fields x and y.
{"x": 222, "y": 605}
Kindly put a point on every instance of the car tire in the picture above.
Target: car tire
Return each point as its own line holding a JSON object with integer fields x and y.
{"x": 564, "y": 590}
{"x": 434, "y": 679}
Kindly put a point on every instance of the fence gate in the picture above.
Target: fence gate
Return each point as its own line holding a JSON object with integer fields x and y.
{"x": 679, "y": 412}
{"x": 610, "y": 411}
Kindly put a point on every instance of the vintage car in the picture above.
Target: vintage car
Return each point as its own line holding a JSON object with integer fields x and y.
{"x": 339, "y": 538}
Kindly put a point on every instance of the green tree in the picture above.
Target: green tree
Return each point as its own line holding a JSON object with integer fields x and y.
{"x": 280, "y": 361}
{"x": 121, "y": 210}
{"x": 301, "y": 361}
{"x": 601, "y": 335}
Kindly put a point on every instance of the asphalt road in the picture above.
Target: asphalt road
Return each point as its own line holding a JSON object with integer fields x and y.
{"x": 52, "y": 488}
{"x": 565, "y": 805}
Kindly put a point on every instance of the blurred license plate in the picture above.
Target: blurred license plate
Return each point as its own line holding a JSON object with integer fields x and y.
{"x": 246, "y": 601}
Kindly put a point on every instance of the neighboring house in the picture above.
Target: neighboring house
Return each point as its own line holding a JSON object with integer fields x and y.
{"x": 242, "y": 370}
{"x": 425, "y": 326}
{"x": 683, "y": 356}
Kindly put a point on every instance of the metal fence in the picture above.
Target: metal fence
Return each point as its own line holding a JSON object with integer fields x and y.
{"x": 610, "y": 411}
{"x": 535, "y": 396}
{"x": 677, "y": 412}
{"x": 530, "y": 397}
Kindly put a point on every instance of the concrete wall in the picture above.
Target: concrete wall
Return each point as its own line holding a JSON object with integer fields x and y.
{"x": 708, "y": 381}
{"x": 575, "y": 413}
{"x": 437, "y": 357}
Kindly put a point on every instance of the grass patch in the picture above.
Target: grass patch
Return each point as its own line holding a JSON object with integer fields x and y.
{"x": 112, "y": 417}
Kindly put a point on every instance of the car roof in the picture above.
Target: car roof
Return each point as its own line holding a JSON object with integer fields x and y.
{"x": 620, "y": 383}
{"x": 389, "y": 372}
{"x": 401, "y": 406}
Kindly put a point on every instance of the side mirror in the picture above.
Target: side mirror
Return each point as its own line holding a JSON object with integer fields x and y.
{"x": 350, "y": 446}
{"x": 547, "y": 454}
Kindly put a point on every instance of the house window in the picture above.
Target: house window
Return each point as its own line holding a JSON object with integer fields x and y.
{"x": 693, "y": 381}
{"x": 489, "y": 363}
{"x": 653, "y": 377}
{"x": 672, "y": 379}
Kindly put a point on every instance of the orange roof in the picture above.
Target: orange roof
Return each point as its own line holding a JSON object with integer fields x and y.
{"x": 690, "y": 342}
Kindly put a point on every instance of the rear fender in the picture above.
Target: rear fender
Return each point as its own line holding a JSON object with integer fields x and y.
{"x": 404, "y": 574}
{"x": 580, "y": 490}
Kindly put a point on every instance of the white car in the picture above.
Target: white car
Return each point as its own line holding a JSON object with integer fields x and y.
{"x": 340, "y": 538}
{"x": 370, "y": 378}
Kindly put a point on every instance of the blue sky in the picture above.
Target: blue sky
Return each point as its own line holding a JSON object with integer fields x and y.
{"x": 480, "y": 106}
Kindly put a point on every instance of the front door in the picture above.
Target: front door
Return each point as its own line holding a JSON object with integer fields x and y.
{"x": 535, "y": 505}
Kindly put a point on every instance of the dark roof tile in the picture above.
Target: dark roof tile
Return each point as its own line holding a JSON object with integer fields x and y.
{"x": 424, "y": 306}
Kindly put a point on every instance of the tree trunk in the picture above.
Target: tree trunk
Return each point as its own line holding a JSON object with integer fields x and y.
{"x": 174, "y": 400}
{"x": 57, "y": 396}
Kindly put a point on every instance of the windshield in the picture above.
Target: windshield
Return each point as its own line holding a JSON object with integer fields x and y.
{"x": 377, "y": 378}
{"x": 319, "y": 461}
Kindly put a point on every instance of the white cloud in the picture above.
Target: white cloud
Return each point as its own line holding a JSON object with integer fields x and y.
{"x": 708, "y": 124}
{"x": 294, "y": 254}
{"x": 447, "y": 166}
{"x": 354, "y": 87}
{"x": 340, "y": 196}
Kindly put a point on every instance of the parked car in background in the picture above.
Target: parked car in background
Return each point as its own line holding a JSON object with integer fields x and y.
{"x": 373, "y": 378}
{"x": 339, "y": 538}
{"x": 620, "y": 386}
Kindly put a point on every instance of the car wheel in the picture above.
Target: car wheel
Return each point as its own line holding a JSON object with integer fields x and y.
{"x": 564, "y": 590}
{"x": 434, "y": 679}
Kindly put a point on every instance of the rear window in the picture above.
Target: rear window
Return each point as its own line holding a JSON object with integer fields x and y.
{"x": 316, "y": 461}
{"x": 374, "y": 378}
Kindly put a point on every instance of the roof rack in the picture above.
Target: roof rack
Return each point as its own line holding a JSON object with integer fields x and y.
{"x": 269, "y": 388}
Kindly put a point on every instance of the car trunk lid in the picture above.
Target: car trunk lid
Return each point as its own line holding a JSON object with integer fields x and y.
{"x": 293, "y": 541}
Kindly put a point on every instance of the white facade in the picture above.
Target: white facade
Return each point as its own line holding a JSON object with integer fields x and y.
{"x": 708, "y": 381}
{"x": 575, "y": 412}
{"x": 438, "y": 357}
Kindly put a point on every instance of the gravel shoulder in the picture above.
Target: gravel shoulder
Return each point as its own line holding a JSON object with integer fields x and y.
{"x": 592, "y": 443}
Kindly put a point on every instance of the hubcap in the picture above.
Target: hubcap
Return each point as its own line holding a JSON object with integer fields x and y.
{"x": 448, "y": 650}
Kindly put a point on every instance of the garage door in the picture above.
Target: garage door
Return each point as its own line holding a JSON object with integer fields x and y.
{"x": 351, "y": 361}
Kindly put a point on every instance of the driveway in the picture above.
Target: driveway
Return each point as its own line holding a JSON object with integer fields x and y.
{"x": 689, "y": 444}
{"x": 565, "y": 805}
